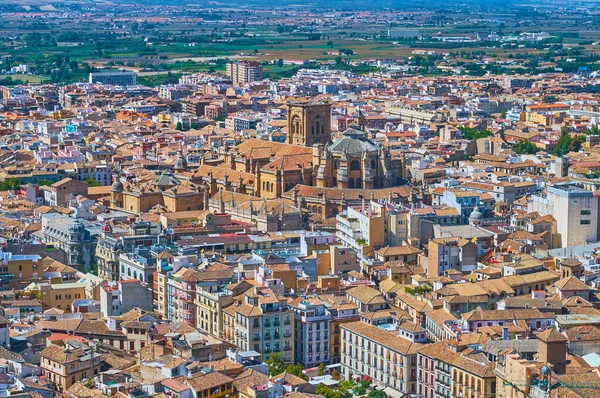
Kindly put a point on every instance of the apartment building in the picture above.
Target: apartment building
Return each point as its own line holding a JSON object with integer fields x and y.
{"x": 181, "y": 289}
{"x": 362, "y": 228}
{"x": 68, "y": 364}
{"x": 446, "y": 254}
{"x": 114, "y": 78}
{"x": 61, "y": 295}
{"x": 342, "y": 311}
{"x": 446, "y": 370}
{"x": 59, "y": 193}
{"x": 575, "y": 210}
{"x": 210, "y": 302}
{"x": 312, "y": 324}
{"x": 386, "y": 357}
{"x": 244, "y": 72}
{"x": 261, "y": 322}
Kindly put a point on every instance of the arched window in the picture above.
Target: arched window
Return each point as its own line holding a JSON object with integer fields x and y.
{"x": 358, "y": 183}
{"x": 318, "y": 125}
{"x": 351, "y": 182}
{"x": 355, "y": 165}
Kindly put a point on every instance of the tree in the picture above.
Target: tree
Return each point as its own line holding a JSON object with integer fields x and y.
{"x": 275, "y": 364}
{"x": 525, "y": 147}
{"x": 35, "y": 295}
{"x": 575, "y": 144}
{"x": 335, "y": 375}
{"x": 194, "y": 125}
{"x": 472, "y": 134}
{"x": 593, "y": 131}
{"x": 10, "y": 184}
{"x": 361, "y": 388}
{"x": 296, "y": 370}
{"x": 324, "y": 391}
{"x": 321, "y": 369}
{"x": 44, "y": 182}
{"x": 179, "y": 126}
{"x": 377, "y": 394}
{"x": 91, "y": 182}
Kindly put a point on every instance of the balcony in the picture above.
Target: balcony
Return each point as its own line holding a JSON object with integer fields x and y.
{"x": 287, "y": 334}
{"x": 287, "y": 321}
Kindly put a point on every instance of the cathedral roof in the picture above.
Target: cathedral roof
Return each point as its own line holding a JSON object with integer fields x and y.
{"x": 165, "y": 179}
{"x": 354, "y": 141}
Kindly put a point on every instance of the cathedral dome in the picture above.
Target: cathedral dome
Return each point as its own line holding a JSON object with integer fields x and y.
{"x": 354, "y": 141}
{"x": 476, "y": 214}
{"x": 117, "y": 186}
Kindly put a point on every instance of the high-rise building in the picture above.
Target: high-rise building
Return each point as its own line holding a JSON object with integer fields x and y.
{"x": 244, "y": 72}
{"x": 575, "y": 210}
{"x": 312, "y": 322}
{"x": 114, "y": 78}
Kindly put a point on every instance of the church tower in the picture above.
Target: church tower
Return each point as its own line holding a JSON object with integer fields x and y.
{"x": 309, "y": 123}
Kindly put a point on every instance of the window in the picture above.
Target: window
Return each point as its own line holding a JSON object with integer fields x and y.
{"x": 584, "y": 222}
{"x": 586, "y": 212}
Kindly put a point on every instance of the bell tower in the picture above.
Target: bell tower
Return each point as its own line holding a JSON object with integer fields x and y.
{"x": 309, "y": 123}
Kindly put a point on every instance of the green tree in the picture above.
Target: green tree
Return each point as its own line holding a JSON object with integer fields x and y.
{"x": 179, "y": 126}
{"x": 361, "y": 388}
{"x": 377, "y": 394}
{"x": 296, "y": 370}
{"x": 593, "y": 131}
{"x": 525, "y": 147}
{"x": 563, "y": 144}
{"x": 335, "y": 375}
{"x": 44, "y": 182}
{"x": 35, "y": 295}
{"x": 275, "y": 364}
{"x": 472, "y": 134}
{"x": 575, "y": 144}
{"x": 10, "y": 184}
{"x": 324, "y": 391}
{"x": 321, "y": 369}
{"x": 92, "y": 182}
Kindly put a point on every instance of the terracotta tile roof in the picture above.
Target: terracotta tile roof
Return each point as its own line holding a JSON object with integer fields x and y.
{"x": 366, "y": 295}
{"x": 388, "y": 339}
{"x": 207, "y": 381}
{"x": 571, "y": 284}
{"x": 551, "y": 336}
{"x": 404, "y": 250}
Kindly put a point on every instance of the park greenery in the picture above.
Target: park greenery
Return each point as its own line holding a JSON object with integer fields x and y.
{"x": 472, "y": 134}
{"x": 525, "y": 147}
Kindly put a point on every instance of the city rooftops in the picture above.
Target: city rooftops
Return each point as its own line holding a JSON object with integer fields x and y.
{"x": 569, "y": 189}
